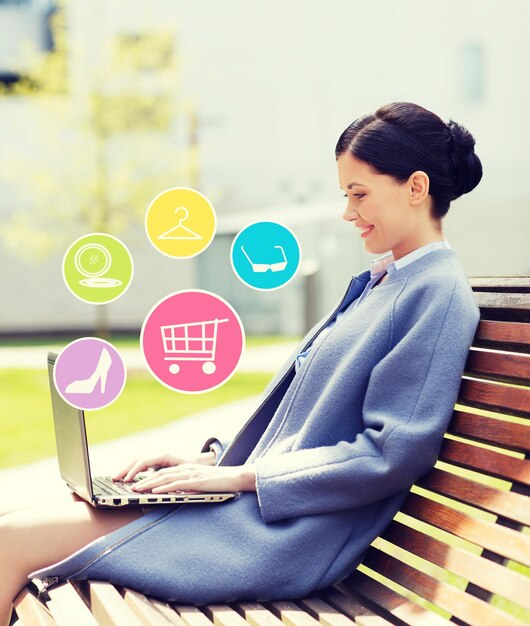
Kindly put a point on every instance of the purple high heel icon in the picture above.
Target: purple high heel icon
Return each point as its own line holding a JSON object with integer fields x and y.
{"x": 87, "y": 385}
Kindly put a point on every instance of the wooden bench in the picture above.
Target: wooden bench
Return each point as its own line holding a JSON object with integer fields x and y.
{"x": 457, "y": 552}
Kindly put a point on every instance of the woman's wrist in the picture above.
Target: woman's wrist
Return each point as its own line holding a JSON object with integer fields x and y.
{"x": 247, "y": 477}
{"x": 206, "y": 458}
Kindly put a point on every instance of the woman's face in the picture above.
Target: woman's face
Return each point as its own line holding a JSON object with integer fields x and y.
{"x": 389, "y": 215}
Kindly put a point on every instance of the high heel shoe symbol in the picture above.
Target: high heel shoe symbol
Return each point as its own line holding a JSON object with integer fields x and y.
{"x": 87, "y": 385}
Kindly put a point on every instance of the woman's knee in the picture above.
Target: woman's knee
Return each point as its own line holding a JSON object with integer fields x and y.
{"x": 41, "y": 536}
{"x": 12, "y": 504}
{"x": 11, "y": 565}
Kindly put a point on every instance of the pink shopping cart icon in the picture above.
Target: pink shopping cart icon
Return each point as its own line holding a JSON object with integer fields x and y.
{"x": 191, "y": 342}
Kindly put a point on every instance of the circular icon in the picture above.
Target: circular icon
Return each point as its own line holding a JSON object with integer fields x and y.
{"x": 192, "y": 341}
{"x": 180, "y": 222}
{"x": 97, "y": 268}
{"x": 265, "y": 255}
{"x": 89, "y": 373}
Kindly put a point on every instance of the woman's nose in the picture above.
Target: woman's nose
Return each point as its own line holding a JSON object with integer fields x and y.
{"x": 349, "y": 214}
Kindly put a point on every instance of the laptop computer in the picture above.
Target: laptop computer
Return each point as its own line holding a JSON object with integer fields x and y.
{"x": 101, "y": 491}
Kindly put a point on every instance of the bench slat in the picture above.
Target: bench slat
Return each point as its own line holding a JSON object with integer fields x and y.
{"x": 324, "y": 612}
{"x": 483, "y": 572}
{"x": 290, "y": 613}
{"x": 514, "y": 282}
{"x": 146, "y": 613}
{"x": 256, "y": 614}
{"x": 508, "y": 504}
{"x": 447, "y": 597}
{"x": 60, "y": 618}
{"x": 223, "y": 615}
{"x": 350, "y": 606}
{"x": 109, "y": 607}
{"x": 172, "y": 616}
{"x": 394, "y": 604}
{"x": 516, "y": 335}
{"x": 31, "y": 611}
{"x": 491, "y": 430}
{"x": 492, "y": 300}
{"x": 487, "y": 461}
{"x": 499, "y": 539}
{"x": 510, "y": 367}
{"x": 191, "y": 615}
{"x": 495, "y": 396}
{"x": 68, "y": 602}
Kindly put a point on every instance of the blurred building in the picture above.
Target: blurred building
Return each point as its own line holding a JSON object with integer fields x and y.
{"x": 273, "y": 85}
{"x": 22, "y": 22}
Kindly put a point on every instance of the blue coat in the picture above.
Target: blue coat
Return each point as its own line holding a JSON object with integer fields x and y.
{"x": 336, "y": 448}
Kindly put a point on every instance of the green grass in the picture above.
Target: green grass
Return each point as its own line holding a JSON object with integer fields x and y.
{"x": 26, "y": 430}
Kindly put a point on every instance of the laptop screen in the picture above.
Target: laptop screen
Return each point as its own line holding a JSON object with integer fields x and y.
{"x": 70, "y": 437}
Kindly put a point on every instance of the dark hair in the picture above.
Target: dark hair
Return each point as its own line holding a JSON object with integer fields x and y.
{"x": 402, "y": 137}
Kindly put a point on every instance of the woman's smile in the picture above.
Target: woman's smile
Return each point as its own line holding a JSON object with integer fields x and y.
{"x": 366, "y": 230}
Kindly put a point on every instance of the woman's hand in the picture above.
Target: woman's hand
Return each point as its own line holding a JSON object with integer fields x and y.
{"x": 165, "y": 460}
{"x": 201, "y": 478}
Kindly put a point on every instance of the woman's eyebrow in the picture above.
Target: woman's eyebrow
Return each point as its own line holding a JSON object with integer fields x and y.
{"x": 354, "y": 185}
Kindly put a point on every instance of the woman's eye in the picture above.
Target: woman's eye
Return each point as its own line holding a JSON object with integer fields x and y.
{"x": 358, "y": 195}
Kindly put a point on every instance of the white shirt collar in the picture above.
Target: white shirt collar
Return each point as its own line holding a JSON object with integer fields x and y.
{"x": 388, "y": 264}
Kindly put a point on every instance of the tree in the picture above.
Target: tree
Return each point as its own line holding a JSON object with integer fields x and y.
{"x": 102, "y": 138}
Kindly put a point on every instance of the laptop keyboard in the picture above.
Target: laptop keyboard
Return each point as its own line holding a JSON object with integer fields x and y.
{"x": 108, "y": 487}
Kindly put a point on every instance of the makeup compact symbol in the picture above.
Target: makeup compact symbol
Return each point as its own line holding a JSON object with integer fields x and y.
{"x": 93, "y": 261}
{"x": 263, "y": 267}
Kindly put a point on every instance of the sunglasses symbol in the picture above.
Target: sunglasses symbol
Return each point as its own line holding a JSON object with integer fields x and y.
{"x": 263, "y": 267}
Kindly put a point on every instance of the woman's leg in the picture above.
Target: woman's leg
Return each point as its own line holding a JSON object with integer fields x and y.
{"x": 36, "y": 537}
{"x": 16, "y": 504}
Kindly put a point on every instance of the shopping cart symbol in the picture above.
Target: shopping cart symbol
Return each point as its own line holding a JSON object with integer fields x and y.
{"x": 182, "y": 344}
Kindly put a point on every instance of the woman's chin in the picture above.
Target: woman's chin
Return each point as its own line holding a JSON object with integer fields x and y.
{"x": 374, "y": 248}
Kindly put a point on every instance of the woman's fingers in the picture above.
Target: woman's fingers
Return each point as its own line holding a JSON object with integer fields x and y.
{"x": 124, "y": 472}
{"x": 162, "y": 477}
{"x": 175, "y": 486}
{"x": 192, "y": 477}
{"x": 142, "y": 464}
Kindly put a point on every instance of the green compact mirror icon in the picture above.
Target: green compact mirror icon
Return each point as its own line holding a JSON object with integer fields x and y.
{"x": 92, "y": 261}
{"x": 97, "y": 268}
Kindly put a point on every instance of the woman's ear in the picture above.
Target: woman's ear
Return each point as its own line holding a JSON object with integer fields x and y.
{"x": 418, "y": 186}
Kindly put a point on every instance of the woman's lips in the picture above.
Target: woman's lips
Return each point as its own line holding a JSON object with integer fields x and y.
{"x": 366, "y": 231}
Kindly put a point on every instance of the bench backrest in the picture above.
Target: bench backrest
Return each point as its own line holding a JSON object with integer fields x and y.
{"x": 460, "y": 546}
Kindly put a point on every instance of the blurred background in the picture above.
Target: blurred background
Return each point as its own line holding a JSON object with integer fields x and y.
{"x": 106, "y": 103}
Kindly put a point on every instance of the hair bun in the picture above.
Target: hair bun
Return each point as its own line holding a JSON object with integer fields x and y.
{"x": 465, "y": 164}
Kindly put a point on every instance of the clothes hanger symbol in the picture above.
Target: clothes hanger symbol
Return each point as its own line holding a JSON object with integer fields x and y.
{"x": 169, "y": 234}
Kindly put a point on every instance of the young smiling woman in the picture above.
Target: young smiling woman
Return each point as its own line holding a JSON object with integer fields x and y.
{"x": 390, "y": 215}
{"x": 350, "y": 421}
{"x": 400, "y": 169}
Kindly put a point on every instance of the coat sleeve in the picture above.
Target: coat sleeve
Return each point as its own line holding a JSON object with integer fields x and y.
{"x": 408, "y": 404}
{"x": 217, "y": 445}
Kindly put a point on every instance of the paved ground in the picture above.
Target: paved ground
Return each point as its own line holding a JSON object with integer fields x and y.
{"x": 22, "y": 484}
{"x": 259, "y": 359}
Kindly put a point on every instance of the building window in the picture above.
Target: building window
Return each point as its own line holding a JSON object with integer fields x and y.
{"x": 472, "y": 72}
{"x": 16, "y": 2}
